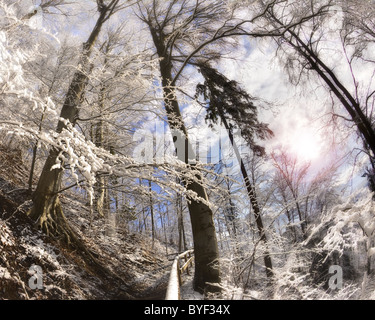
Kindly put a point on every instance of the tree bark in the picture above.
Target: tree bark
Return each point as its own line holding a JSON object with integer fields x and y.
{"x": 201, "y": 216}
{"x": 46, "y": 208}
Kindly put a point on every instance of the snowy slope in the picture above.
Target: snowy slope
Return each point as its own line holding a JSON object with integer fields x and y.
{"x": 34, "y": 266}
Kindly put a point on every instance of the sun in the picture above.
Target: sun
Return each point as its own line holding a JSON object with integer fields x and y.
{"x": 305, "y": 145}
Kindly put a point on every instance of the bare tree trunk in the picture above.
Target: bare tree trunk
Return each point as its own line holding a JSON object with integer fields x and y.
{"x": 179, "y": 224}
{"x": 231, "y": 222}
{"x": 165, "y": 232}
{"x": 301, "y": 218}
{"x": 47, "y": 209}
{"x": 35, "y": 151}
{"x": 201, "y": 216}
{"x": 291, "y": 221}
{"x": 220, "y": 232}
{"x": 152, "y": 215}
{"x": 253, "y": 200}
{"x": 32, "y": 168}
{"x": 182, "y": 247}
{"x": 101, "y": 184}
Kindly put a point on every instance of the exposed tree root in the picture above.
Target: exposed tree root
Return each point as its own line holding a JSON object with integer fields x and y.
{"x": 51, "y": 219}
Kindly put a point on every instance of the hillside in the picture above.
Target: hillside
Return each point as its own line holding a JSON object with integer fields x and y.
{"x": 131, "y": 269}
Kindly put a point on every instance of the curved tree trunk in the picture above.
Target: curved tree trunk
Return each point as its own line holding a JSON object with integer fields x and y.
{"x": 47, "y": 210}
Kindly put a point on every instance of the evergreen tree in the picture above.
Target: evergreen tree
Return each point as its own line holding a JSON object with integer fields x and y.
{"x": 228, "y": 102}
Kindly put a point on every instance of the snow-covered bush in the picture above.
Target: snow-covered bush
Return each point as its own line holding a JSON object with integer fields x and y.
{"x": 349, "y": 224}
{"x": 347, "y": 232}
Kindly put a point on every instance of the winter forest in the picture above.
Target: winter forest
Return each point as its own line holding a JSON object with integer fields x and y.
{"x": 132, "y": 131}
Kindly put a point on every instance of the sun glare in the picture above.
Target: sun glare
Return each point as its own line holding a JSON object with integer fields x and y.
{"x": 305, "y": 145}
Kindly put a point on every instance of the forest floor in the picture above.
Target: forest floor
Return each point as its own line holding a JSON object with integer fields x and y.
{"x": 36, "y": 266}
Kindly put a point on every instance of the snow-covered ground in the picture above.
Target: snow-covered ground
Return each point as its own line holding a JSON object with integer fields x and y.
{"x": 34, "y": 266}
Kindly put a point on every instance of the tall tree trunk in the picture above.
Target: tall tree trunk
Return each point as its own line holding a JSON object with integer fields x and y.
{"x": 35, "y": 151}
{"x": 291, "y": 224}
{"x": 231, "y": 223}
{"x": 301, "y": 217}
{"x": 32, "y": 168}
{"x": 182, "y": 247}
{"x": 253, "y": 199}
{"x": 46, "y": 208}
{"x": 152, "y": 215}
{"x": 164, "y": 230}
{"x": 201, "y": 216}
{"x": 99, "y": 139}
